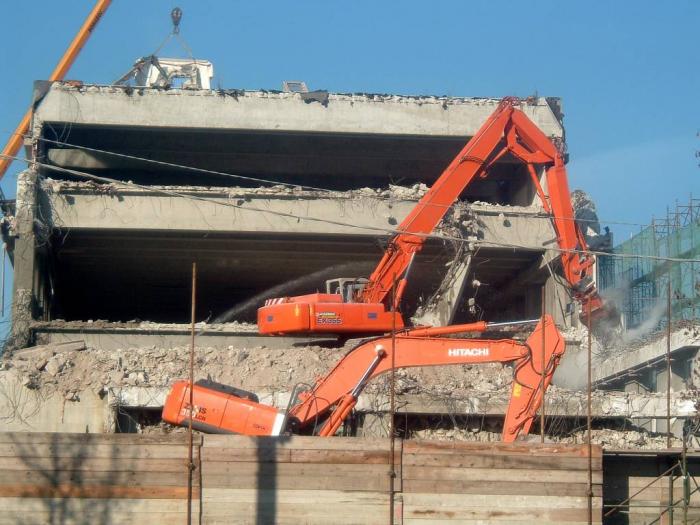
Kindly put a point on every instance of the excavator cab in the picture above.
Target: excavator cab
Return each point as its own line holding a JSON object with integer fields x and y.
{"x": 349, "y": 288}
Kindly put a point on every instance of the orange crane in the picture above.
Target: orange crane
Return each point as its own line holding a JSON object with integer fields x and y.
{"x": 322, "y": 408}
{"x": 59, "y": 73}
{"x": 365, "y": 305}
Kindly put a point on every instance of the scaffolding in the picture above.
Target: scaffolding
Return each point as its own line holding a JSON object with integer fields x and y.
{"x": 639, "y": 284}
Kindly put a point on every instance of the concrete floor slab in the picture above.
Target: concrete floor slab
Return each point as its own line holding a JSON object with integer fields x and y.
{"x": 269, "y": 110}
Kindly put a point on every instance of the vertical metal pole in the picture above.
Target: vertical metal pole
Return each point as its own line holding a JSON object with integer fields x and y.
{"x": 668, "y": 363}
{"x": 542, "y": 409}
{"x": 693, "y": 286}
{"x": 392, "y": 403}
{"x": 588, "y": 416}
{"x": 668, "y": 394}
{"x": 190, "y": 465}
{"x": 671, "y": 505}
{"x": 684, "y": 467}
{"x": 2, "y": 299}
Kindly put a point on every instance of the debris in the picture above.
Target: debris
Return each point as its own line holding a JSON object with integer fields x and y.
{"x": 53, "y": 367}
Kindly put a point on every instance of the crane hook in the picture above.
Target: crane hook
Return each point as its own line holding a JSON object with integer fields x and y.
{"x": 176, "y": 16}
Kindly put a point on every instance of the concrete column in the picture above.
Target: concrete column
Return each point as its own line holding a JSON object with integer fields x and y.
{"x": 443, "y": 310}
{"x": 24, "y": 259}
{"x": 556, "y": 302}
{"x": 677, "y": 384}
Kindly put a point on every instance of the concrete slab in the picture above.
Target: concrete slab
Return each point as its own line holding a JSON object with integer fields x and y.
{"x": 269, "y": 110}
{"x": 117, "y": 339}
{"x": 239, "y": 211}
{"x": 682, "y": 339}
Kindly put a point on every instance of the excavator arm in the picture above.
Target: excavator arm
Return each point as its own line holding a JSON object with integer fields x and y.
{"x": 525, "y": 141}
{"x": 333, "y": 397}
{"x": 507, "y": 131}
{"x": 470, "y": 163}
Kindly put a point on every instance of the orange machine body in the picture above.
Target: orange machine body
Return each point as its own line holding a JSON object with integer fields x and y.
{"x": 323, "y": 407}
{"x": 508, "y": 131}
{"x": 220, "y": 412}
{"x": 324, "y": 313}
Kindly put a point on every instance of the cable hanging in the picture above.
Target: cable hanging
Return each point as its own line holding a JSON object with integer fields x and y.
{"x": 388, "y": 231}
{"x": 533, "y": 215}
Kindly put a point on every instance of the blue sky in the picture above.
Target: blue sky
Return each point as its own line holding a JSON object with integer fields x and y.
{"x": 627, "y": 71}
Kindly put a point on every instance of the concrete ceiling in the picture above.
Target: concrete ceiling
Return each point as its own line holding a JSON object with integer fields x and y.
{"x": 147, "y": 276}
{"x": 331, "y": 160}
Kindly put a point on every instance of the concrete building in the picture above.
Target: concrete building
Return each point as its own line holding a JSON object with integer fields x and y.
{"x": 270, "y": 193}
{"x": 246, "y": 239}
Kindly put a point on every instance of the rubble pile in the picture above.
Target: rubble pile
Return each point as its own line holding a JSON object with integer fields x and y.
{"x": 91, "y": 369}
{"x": 392, "y": 192}
{"x": 606, "y": 437}
{"x": 263, "y": 369}
{"x": 69, "y": 370}
{"x": 256, "y": 369}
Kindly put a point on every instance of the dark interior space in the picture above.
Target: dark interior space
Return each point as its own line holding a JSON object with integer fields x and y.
{"x": 148, "y": 276}
{"x": 330, "y": 161}
{"x": 133, "y": 420}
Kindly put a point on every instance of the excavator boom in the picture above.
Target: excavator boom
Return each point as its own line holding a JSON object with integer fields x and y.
{"x": 325, "y": 407}
{"x": 368, "y": 309}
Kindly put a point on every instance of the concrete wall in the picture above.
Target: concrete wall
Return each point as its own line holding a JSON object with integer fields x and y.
{"x": 23, "y": 409}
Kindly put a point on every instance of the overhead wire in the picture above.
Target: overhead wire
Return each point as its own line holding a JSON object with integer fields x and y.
{"x": 512, "y": 212}
{"x": 389, "y": 231}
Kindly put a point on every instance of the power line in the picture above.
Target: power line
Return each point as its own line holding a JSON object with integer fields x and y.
{"x": 183, "y": 167}
{"x": 534, "y": 215}
{"x": 389, "y": 231}
{"x": 312, "y": 188}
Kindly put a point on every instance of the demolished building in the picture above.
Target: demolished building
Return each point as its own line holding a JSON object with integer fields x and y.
{"x": 269, "y": 193}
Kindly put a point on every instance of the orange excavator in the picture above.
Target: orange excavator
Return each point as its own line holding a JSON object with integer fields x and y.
{"x": 322, "y": 408}
{"x": 364, "y": 306}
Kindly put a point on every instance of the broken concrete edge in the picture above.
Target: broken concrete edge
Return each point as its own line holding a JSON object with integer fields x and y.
{"x": 553, "y": 103}
{"x": 647, "y": 352}
{"x": 255, "y": 110}
{"x": 560, "y": 404}
{"x": 392, "y": 193}
{"x": 100, "y": 325}
{"x": 245, "y": 330}
{"x": 33, "y": 351}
